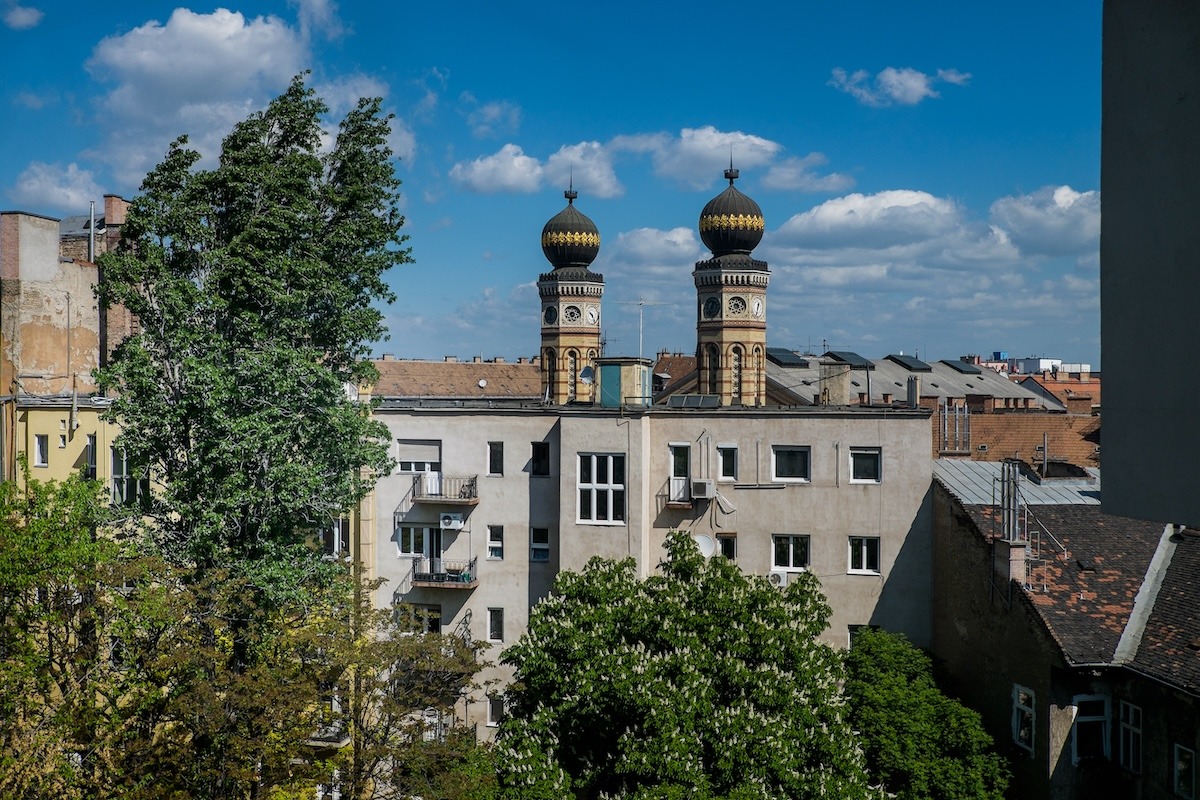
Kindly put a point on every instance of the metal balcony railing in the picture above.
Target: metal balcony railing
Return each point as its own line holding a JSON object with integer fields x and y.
{"x": 434, "y": 487}
{"x": 444, "y": 573}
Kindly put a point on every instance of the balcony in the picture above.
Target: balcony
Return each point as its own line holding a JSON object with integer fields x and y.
{"x": 434, "y": 487}
{"x": 444, "y": 573}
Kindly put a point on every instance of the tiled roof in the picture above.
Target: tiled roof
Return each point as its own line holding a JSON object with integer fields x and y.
{"x": 1065, "y": 388}
{"x": 1068, "y": 437}
{"x": 1085, "y": 591}
{"x": 1170, "y": 646}
{"x": 456, "y": 380}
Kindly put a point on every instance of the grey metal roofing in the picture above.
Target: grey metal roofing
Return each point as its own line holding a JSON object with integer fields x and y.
{"x": 910, "y": 363}
{"x": 694, "y": 401}
{"x": 961, "y": 366}
{"x": 79, "y": 224}
{"x": 978, "y": 483}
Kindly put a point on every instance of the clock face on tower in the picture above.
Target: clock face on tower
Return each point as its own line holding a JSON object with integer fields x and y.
{"x": 593, "y": 315}
{"x": 737, "y": 305}
{"x": 550, "y": 315}
{"x": 571, "y": 314}
{"x": 711, "y": 307}
{"x": 756, "y": 307}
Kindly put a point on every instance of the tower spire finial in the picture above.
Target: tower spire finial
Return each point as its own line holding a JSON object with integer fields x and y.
{"x": 731, "y": 174}
{"x": 570, "y": 193}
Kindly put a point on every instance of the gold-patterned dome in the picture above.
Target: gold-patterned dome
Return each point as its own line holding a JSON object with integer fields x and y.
{"x": 570, "y": 239}
{"x": 731, "y": 222}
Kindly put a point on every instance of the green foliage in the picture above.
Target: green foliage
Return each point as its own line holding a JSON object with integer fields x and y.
{"x": 254, "y": 285}
{"x": 698, "y": 682}
{"x": 920, "y": 744}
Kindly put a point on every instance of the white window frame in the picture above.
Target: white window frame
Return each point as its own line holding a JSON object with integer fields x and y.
{"x": 724, "y": 450}
{"x": 1183, "y": 787}
{"x": 410, "y": 552}
{"x": 727, "y": 545}
{"x": 1103, "y": 719}
{"x": 495, "y": 451}
{"x": 539, "y": 551}
{"x": 495, "y": 542}
{"x": 776, "y": 449}
{"x": 679, "y": 487}
{"x": 1019, "y": 711}
{"x": 877, "y": 454}
{"x": 124, "y": 482}
{"x": 792, "y": 540}
{"x": 1130, "y": 744}
{"x": 602, "y": 495}
{"x": 335, "y": 541}
{"x": 41, "y": 449}
{"x": 413, "y": 467}
{"x": 495, "y": 623}
{"x": 860, "y": 545}
{"x": 495, "y": 710}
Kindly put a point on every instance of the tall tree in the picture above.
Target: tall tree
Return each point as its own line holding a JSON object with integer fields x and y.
{"x": 920, "y": 744}
{"x": 255, "y": 287}
{"x": 697, "y": 682}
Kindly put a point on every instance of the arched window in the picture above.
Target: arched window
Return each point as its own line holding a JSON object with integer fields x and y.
{"x": 550, "y": 370}
{"x": 735, "y": 375}
{"x": 760, "y": 388}
{"x": 572, "y": 373}
{"x": 711, "y": 364}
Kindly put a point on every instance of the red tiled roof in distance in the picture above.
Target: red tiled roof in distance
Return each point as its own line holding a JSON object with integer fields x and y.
{"x": 457, "y": 380}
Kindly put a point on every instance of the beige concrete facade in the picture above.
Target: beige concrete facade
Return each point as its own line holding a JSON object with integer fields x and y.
{"x": 867, "y": 539}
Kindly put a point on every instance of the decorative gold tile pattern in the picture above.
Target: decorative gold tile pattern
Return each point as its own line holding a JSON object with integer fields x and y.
{"x": 732, "y": 222}
{"x": 558, "y": 238}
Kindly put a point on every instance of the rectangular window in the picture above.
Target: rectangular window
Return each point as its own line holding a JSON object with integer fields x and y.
{"x": 1131, "y": 737}
{"x": 866, "y": 464}
{"x": 62, "y": 441}
{"x": 335, "y": 539}
{"x": 539, "y": 544}
{"x": 495, "y": 624}
{"x": 790, "y": 463}
{"x": 129, "y": 487}
{"x": 539, "y": 459}
{"x": 681, "y": 473}
{"x": 1184, "y": 772}
{"x": 495, "y": 543}
{"x": 495, "y": 711}
{"x": 419, "y": 455}
{"x": 495, "y": 458}
{"x": 412, "y": 541}
{"x": 601, "y": 488}
{"x": 1091, "y": 728}
{"x": 791, "y": 551}
{"x": 727, "y": 542}
{"x": 41, "y": 450}
{"x": 727, "y": 462}
{"x": 419, "y": 618}
{"x": 1022, "y": 717}
{"x": 89, "y": 455}
{"x": 864, "y": 554}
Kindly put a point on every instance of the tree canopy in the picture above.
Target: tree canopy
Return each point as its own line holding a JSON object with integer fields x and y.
{"x": 919, "y": 743}
{"x": 255, "y": 287}
{"x": 697, "y": 682}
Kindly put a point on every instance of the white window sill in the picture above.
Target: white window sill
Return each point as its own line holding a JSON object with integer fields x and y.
{"x": 876, "y": 573}
{"x": 601, "y": 523}
{"x": 862, "y": 482}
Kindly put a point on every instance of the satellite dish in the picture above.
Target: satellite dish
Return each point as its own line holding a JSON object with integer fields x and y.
{"x": 483, "y": 383}
{"x": 706, "y": 544}
{"x": 587, "y": 375}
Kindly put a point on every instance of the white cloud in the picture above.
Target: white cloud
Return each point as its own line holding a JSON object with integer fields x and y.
{"x": 903, "y": 86}
{"x": 508, "y": 170}
{"x": 699, "y": 155}
{"x": 885, "y": 219}
{"x": 33, "y": 101}
{"x": 652, "y": 247}
{"x": 492, "y": 119}
{"x": 197, "y": 74}
{"x": 588, "y": 165}
{"x": 319, "y": 16}
{"x": 67, "y": 188}
{"x": 800, "y": 174}
{"x": 1053, "y": 221}
{"x": 21, "y": 18}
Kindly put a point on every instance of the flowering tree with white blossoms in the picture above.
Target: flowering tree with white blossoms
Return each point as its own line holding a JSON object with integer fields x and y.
{"x": 697, "y": 682}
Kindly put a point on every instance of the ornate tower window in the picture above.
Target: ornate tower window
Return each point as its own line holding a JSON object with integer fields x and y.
{"x": 572, "y": 374}
{"x": 712, "y": 364}
{"x": 735, "y": 375}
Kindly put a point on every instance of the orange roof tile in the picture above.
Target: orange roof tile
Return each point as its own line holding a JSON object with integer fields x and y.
{"x": 458, "y": 380}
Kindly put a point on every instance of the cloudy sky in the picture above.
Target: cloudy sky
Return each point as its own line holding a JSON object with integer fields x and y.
{"x": 929, "y": 173}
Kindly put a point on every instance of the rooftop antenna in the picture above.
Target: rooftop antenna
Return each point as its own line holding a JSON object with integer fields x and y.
{"x": 641, "y": 303}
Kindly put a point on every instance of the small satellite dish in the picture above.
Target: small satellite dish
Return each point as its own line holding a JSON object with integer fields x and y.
{"x": 483, "y": 383}
{"x": 587, "y": 375}
{"x": 706, "y": 544}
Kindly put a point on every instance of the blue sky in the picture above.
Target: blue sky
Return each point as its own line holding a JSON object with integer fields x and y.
{"x": 929, "y": 172}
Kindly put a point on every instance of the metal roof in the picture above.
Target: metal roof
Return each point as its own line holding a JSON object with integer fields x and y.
{"x": 962, "y": 366}
{"x": 910, "y": 363}
{"x": 978, "y": 483}
{"x": 786, "y": 358}
{"x": 694, "y": 401}
{"x": 851, "y": 358}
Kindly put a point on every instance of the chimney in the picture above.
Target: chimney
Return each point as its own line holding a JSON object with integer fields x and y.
{"x": 387, "y": 357}
{"x": 451, "y": 359}
{"x": 497, "y": 360}
{"x": 116, "y": 208}
{"x": 887, "y": 398}
{"x": 476, "y": 359}
{"x": 914, "y": 391}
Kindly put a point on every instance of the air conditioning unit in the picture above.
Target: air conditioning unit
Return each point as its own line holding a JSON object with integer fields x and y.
{"x": 778, "y": 578}
{"x": 704, "y": 489}
{"x": 452, "y": 522}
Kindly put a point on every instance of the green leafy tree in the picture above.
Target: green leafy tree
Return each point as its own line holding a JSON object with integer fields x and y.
{"x": 697, "y": 682}
{"x": 255, "y": 287}
{"x": 919, "y": 743}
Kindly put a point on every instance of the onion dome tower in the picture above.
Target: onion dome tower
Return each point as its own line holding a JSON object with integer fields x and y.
{"x": 731, "y": 300}
{"x": 570, "y": 296}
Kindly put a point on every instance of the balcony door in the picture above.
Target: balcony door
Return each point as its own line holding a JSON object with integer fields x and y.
{"x": 681, "y": 473}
